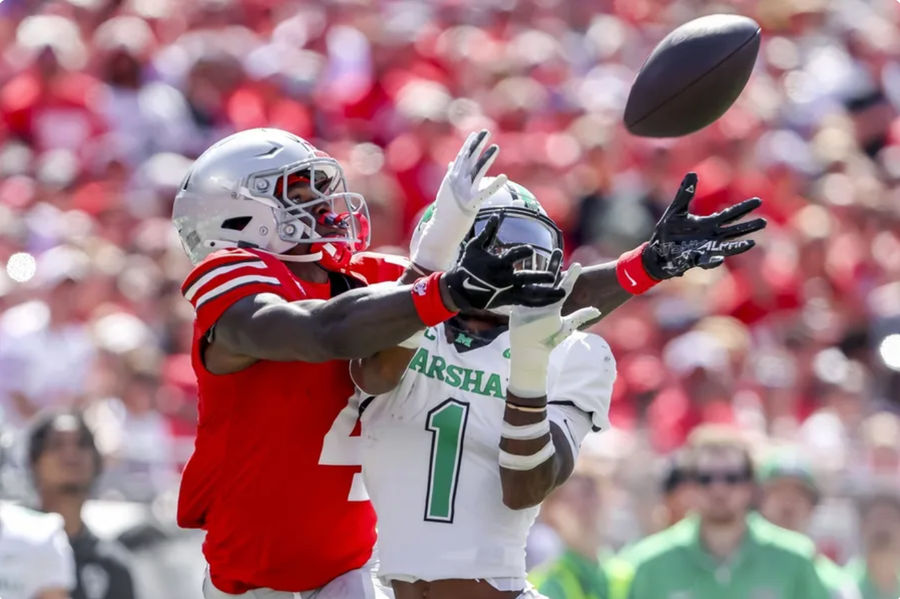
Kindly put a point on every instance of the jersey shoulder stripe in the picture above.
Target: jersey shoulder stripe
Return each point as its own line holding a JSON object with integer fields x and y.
{"x": 219, "y": 272}
{"x": 228, "y": 276}
{"x": 216, "y": 260}
{"x": 231, "y": 284}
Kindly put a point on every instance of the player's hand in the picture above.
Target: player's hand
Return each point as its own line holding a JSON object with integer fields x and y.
{"x": 546, "y": 326}
{"x": 534, "y": 332}
{"x": 462, "y": 181}
{"x": 458, "y": 200}
{"x": 682, "y": 240}
{"x": 483, "y": 280}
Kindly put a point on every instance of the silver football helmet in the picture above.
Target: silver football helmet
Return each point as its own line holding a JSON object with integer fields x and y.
{"x": 236, "y": 195}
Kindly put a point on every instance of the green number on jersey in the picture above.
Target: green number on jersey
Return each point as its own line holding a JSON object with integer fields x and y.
{"x": 447, "y": 424}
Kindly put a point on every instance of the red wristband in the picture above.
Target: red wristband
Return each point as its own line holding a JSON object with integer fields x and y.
{"x": 630, "y": 271}
{"x": 426, "y": 294}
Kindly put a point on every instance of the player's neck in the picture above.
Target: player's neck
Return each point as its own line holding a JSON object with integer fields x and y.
{"x": 69, "y": 507}
{"x": 308, "y": 271}
{"x": 722, "y": 539}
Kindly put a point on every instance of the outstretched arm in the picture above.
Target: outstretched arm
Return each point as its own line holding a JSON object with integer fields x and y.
{"x": 680, "y": 241}
{"x": 535, "y": 456}
{"x": 360, "y": 322}
{"x": 597, "y": 286}
{"x": 354, "y": 324}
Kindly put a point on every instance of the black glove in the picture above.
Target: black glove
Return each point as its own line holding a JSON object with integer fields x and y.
{"x": 483, "y": 280}
{"x": 682, "y": 240}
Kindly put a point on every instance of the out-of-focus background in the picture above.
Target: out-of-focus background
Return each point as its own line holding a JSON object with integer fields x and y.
{"x": 104, "y": 103}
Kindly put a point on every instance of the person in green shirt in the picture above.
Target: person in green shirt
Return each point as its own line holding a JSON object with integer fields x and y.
{"x": 788, "y": 496}
{"x": 724, "y": 551}
{"x": 575, "y": 512}
{"x": 877, "y": 571}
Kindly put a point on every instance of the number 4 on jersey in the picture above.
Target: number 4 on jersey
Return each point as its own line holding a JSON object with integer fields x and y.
{"x": 447, "y": 425}
{"x": 339, "y": 448}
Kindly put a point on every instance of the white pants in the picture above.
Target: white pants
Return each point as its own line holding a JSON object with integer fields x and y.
{"x": 355, "y": 584}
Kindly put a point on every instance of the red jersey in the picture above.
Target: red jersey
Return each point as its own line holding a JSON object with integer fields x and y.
{"x": 274, "y": 478}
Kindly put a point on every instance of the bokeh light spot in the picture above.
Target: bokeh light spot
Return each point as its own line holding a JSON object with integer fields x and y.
{"x": 889, "y": 350}
{"x": 21, "y": 267}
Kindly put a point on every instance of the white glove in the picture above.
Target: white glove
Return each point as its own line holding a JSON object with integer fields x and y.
{"x": 457, "y": 203}
{"x": 534, "y": 332}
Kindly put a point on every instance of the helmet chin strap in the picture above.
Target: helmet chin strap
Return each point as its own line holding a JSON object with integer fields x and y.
{"x": 314, "y": 257}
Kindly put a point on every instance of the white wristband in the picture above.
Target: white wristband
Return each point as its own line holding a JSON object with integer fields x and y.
{"x": 525, "y": 432}
{"x": 511, "y": 461}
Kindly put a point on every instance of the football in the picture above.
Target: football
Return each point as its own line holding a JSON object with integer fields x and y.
{"x": 692, "y": 76}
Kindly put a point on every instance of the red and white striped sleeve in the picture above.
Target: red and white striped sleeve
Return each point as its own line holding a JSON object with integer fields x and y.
{"x": 222, "y": 279}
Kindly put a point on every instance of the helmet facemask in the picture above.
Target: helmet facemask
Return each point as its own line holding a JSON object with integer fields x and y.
{"x": 326, "y": 203}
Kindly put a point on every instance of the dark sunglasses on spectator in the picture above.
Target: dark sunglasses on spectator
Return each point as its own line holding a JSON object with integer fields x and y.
{"x": 734, "y": 477}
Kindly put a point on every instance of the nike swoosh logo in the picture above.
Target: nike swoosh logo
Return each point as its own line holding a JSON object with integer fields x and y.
{"x": 628, "y": 276}
{"x": 468, "y": 285}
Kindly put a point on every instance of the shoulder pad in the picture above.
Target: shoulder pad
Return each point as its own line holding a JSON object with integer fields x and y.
{"x": 581, "y": 373}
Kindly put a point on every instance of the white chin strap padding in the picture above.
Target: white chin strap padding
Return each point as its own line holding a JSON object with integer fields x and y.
{"x": 297, "y": 258}
{"x": 219, "y": 244}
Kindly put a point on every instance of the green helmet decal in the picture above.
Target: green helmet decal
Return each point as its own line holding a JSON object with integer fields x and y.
{"x": 521, "y": 193}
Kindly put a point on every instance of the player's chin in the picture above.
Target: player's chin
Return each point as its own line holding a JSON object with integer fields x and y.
{"x": 485, "y": 316}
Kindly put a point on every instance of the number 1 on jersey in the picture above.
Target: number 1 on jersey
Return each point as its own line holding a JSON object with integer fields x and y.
{"x": 447, "y": 424}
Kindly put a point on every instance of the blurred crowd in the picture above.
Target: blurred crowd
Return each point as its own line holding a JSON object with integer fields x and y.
{"x": 104, "y": 103}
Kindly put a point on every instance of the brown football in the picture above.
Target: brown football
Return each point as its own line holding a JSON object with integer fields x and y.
{"x": 692, "y": 76}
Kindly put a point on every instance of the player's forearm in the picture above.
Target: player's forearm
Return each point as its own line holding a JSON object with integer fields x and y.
{"x": 598, "y": 286}
{"x": 361, "y": 322}
{"x": 355, "y": 324}
{"x": 527, "y": 484}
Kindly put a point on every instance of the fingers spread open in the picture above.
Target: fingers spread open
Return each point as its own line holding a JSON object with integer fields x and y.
{"x": 583, "y": 316}
{"x": 732, "y": 213}
{"x": 466, "y": 149}
{"x": 740, "y": 229}
{"x": 685, "y": 194}
{"x": 484, "y": 163}
{"x": 495, "y": 185}
{"x": 478, "y": 143}
{"x": 569, "y": 278}
{"x": 516, "y": 253}
{"x": 487, "y": 235}
{"x": 522, "y": 278}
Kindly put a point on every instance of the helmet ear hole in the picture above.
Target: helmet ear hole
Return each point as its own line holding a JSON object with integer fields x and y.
{"x": 237, "y": 223}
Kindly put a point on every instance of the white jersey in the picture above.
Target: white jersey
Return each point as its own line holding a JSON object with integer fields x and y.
{"x": 34, "y": 553}
{"x": 431, "y": 454}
